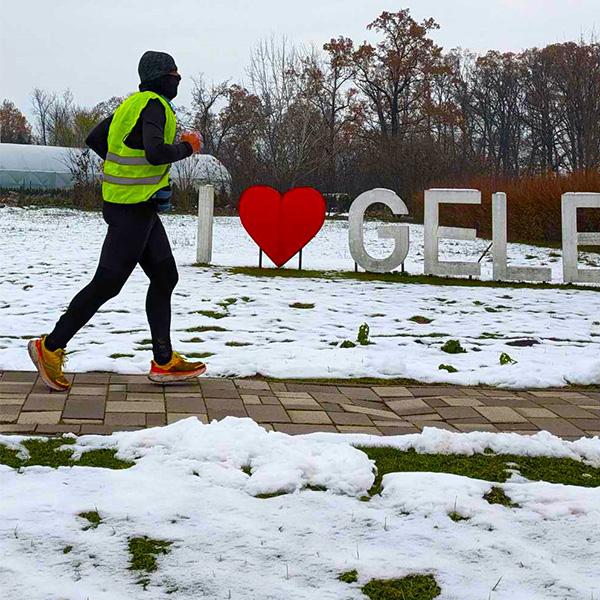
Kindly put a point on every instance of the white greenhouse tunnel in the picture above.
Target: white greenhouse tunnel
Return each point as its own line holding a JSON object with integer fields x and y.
{"x": 27, "y": 166}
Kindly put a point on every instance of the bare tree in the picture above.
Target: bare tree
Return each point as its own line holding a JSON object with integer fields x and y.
{"x": 85, "y": 168}
{"x": 326, "y": 81}
{"x": 205, "y": 101}
{"x": 392, "y": 74}
{"x": 541, "y": 115}
{"x": 288, "y": 125}
{"x": 42, "y": 102}
{"x": 497, "y": 95}
{"x": 577, "y": 76}
{"x": 60, "y": 121}
{"x": 107, "y": 107}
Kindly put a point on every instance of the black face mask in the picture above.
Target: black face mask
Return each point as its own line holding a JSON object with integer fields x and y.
{"x": 165, "y": 85}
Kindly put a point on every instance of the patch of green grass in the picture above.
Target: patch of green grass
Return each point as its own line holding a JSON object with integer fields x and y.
{"x": 498, "y": 496}
{"x": 457, "y": 517}
{"x": 227, "y": 302}
{"x": 448, "y": 368}
{"x": 315, "y": 488}
{"x": 421, "y": 320}
{"x": 145, "y": 342}
{"x": 487, "y": 466}
{"x": 47, "y": 452}
{"x": 302, "y": 305}
{"x": 402, "y": 278}
{"x": 347, "y": 344}
{"x": 203, "y": 328}
{"x": 363, "y": 335}
{"x": 67, "y": 549}
{"x": 120, "y": 355}
{"x": 271, "y": 495}
{"x": 104, "y": 458}
{"x": 247, "y": 469}
{"x": 362, "y": 338}
{"x": 505, "y": 359}
{"x": 453, "y": 347}
{"x": 194, "y": 340}
{"x": 199, "y": 355}
{"x": 412, "y": 587}
{"x": 486, "y": 335}
{"x": 349, "y": 576}
{"x": 237, "y": 344}
{"x": 211, "y": 314}
{"x": 9, "y": 457}
{"x": 92, "y": 517}
{"x": 143, "y": 552}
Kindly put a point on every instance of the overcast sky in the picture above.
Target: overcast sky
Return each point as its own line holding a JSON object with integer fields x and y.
{"x": 93, "y": 47}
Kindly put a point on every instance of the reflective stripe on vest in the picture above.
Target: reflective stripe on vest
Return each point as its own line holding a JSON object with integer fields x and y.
{"x": 126, "y": 160}
{"x": 128, "y": 177}
{"x": 132, "y": 180}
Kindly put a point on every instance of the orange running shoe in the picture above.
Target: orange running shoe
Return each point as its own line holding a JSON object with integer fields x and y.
{"x": 177, "y": 369}
{"x": 49, "y": 364}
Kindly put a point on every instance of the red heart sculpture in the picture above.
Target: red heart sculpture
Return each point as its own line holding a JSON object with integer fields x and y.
{"x": 281, "y": 225}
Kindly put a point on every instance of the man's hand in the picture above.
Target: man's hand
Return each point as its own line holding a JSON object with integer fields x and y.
{"x": 194, "y": 139}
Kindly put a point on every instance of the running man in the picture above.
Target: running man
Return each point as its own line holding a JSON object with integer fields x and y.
{"x": 137, "y": 145}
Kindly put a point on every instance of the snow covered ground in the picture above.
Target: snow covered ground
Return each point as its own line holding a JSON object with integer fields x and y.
{"x": 188, "y": 487}
{"x": 48, "y": 255}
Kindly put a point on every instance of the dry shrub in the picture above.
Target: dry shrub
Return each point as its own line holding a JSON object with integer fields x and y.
{"x": 533, "y": 205}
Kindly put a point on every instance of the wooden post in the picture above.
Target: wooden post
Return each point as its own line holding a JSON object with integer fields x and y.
{"x": 206, "y": 207}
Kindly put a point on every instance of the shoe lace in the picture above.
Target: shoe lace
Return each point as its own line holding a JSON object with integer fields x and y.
{"x": 62, "y": 357}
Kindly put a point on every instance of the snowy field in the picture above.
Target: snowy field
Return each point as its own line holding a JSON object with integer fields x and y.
{"x": 48, "y": 255}
{"x": 188, "y": 487}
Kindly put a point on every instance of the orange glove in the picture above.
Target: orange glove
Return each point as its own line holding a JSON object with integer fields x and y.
{"x": 194, "y": 139}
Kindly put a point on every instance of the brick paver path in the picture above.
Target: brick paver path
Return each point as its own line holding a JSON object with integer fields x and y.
{"x": 107, "y": 402}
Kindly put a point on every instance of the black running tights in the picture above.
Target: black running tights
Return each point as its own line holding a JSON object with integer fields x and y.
{"x": 135, "y": 236}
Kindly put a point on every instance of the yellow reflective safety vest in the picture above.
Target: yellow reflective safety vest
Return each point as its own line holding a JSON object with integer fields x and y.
{"x": 128, "y": 178}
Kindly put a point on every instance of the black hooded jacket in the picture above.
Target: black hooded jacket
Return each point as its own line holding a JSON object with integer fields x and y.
{"x": 147, "y": 134}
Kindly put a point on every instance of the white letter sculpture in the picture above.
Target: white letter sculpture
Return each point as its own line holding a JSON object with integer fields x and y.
{"x": 395, "y": 232}
{"x": 206, "y": 204}
{"x": 502, "y": 272}
{"x": 434, "y": 233}
{"x": 571, "y": 238}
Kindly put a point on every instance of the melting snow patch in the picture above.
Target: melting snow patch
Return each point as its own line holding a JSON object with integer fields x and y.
{"x": 188, "y": 487}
